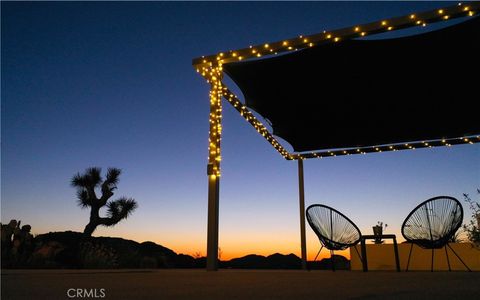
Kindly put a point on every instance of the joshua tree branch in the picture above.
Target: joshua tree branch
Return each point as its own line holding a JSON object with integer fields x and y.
{"x": 105, "y": 196}
{"x": 117, "y": 210}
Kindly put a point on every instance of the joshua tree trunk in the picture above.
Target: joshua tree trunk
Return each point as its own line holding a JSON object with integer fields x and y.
{"x": 89, "y": 229}
{"x": 94, "y": 221}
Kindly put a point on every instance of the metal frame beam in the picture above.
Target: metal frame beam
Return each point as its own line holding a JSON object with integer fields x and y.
{"x": 210, "y": 68}
{"x": 301, "y": 198}
{"x": 358, "y": 31}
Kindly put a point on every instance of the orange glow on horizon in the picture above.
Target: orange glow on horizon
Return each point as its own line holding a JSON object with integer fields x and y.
{"x": 232, "y": 245}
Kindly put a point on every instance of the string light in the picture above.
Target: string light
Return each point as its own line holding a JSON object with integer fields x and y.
{"x": 210, "y": 67}
{"x": 250, "y": 118}
{"x": 393, "y": 148}
{"x": 215, "y": 120}
{"x": 301, "y": 42}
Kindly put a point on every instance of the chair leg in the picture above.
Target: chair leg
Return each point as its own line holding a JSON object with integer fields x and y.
{"x": 459, "y": 258}
{"x": 409, "y": 255}
{"x": 308, "y": 268}
{"x": 448, "y": 260}
{"x": 332, "y": 255}
{"x": 359, "y": 256}
{"x": 433, "y": 252}
{"x": 318, "y": 253}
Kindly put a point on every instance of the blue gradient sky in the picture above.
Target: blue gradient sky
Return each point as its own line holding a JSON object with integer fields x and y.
{"x": 111, "y": 84}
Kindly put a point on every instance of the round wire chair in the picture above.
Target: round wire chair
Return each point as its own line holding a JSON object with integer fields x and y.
{"x": 334, "y": 230}
{"x": 432, "y": 224}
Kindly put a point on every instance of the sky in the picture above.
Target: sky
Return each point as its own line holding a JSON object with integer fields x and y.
{"x": 110, "y": 84}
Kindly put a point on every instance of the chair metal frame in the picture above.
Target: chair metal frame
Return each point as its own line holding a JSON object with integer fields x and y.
{"x": 328, "y": 242}
{"x": 438, "y": 243}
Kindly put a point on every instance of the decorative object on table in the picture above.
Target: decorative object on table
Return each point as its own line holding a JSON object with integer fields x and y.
{"x": 334, "y": 230}
{"x": 378, "y": 231}
{"x": 432, "y": 224}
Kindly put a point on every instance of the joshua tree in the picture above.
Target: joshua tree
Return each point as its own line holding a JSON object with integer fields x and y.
{"x": 117, "y": 210}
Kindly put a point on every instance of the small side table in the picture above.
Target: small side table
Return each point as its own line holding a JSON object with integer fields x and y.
{"x": 372, "y": 237}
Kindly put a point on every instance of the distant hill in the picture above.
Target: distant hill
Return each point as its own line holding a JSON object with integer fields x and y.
{"x": 341, "y": 263}
{"x": 72, "y": 250}
{"x": 280, "y": 261}
{"x": 274, "y": 261}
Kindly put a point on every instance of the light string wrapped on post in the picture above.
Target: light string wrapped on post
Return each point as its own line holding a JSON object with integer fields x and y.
{"x": 467, "y": 9}
{"x": 214, "y": 150}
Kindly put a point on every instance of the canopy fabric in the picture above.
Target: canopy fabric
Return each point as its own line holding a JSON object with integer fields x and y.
{"x": 359, "y": 93}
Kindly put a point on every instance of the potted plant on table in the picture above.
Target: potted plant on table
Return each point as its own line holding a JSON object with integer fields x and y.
{"x": 378, "y": 231}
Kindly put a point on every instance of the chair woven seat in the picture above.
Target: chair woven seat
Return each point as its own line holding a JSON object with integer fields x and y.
{"x": 433, "y": 223}
{"x": 334, "y": 230}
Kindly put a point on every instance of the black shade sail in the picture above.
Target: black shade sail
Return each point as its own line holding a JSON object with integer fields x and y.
{"x": 358, "y": 93}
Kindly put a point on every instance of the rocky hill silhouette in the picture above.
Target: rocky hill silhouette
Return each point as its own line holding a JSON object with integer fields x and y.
{"x": 274, "y": 261}
{"x": 73, "y": 250}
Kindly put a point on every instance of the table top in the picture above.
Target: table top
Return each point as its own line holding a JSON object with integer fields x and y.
{"x": 383, "y": 236}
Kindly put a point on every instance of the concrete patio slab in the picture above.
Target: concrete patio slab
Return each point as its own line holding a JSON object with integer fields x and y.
{"x": 236, "y": 284}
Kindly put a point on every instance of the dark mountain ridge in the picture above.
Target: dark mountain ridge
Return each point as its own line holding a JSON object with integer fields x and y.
{"x": 73, "y": 250}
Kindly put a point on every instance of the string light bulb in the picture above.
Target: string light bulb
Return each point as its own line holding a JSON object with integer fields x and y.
{"x": 301, "y": 42}
{"x": 212, "y": 67}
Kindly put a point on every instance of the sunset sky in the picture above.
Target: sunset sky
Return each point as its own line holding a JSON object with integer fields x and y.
{"x": 111, "y": 85}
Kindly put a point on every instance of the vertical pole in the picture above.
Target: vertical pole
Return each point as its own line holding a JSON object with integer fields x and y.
{"x": 212, "y": 234}
{"x": 213, "y": 169}
{"x": 302, "y": 214}
{"x": 395, "y": 249}
{"x": 364, "y": 254}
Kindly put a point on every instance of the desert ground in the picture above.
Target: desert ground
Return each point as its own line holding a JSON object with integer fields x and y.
{"x": 236, "y": 284}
